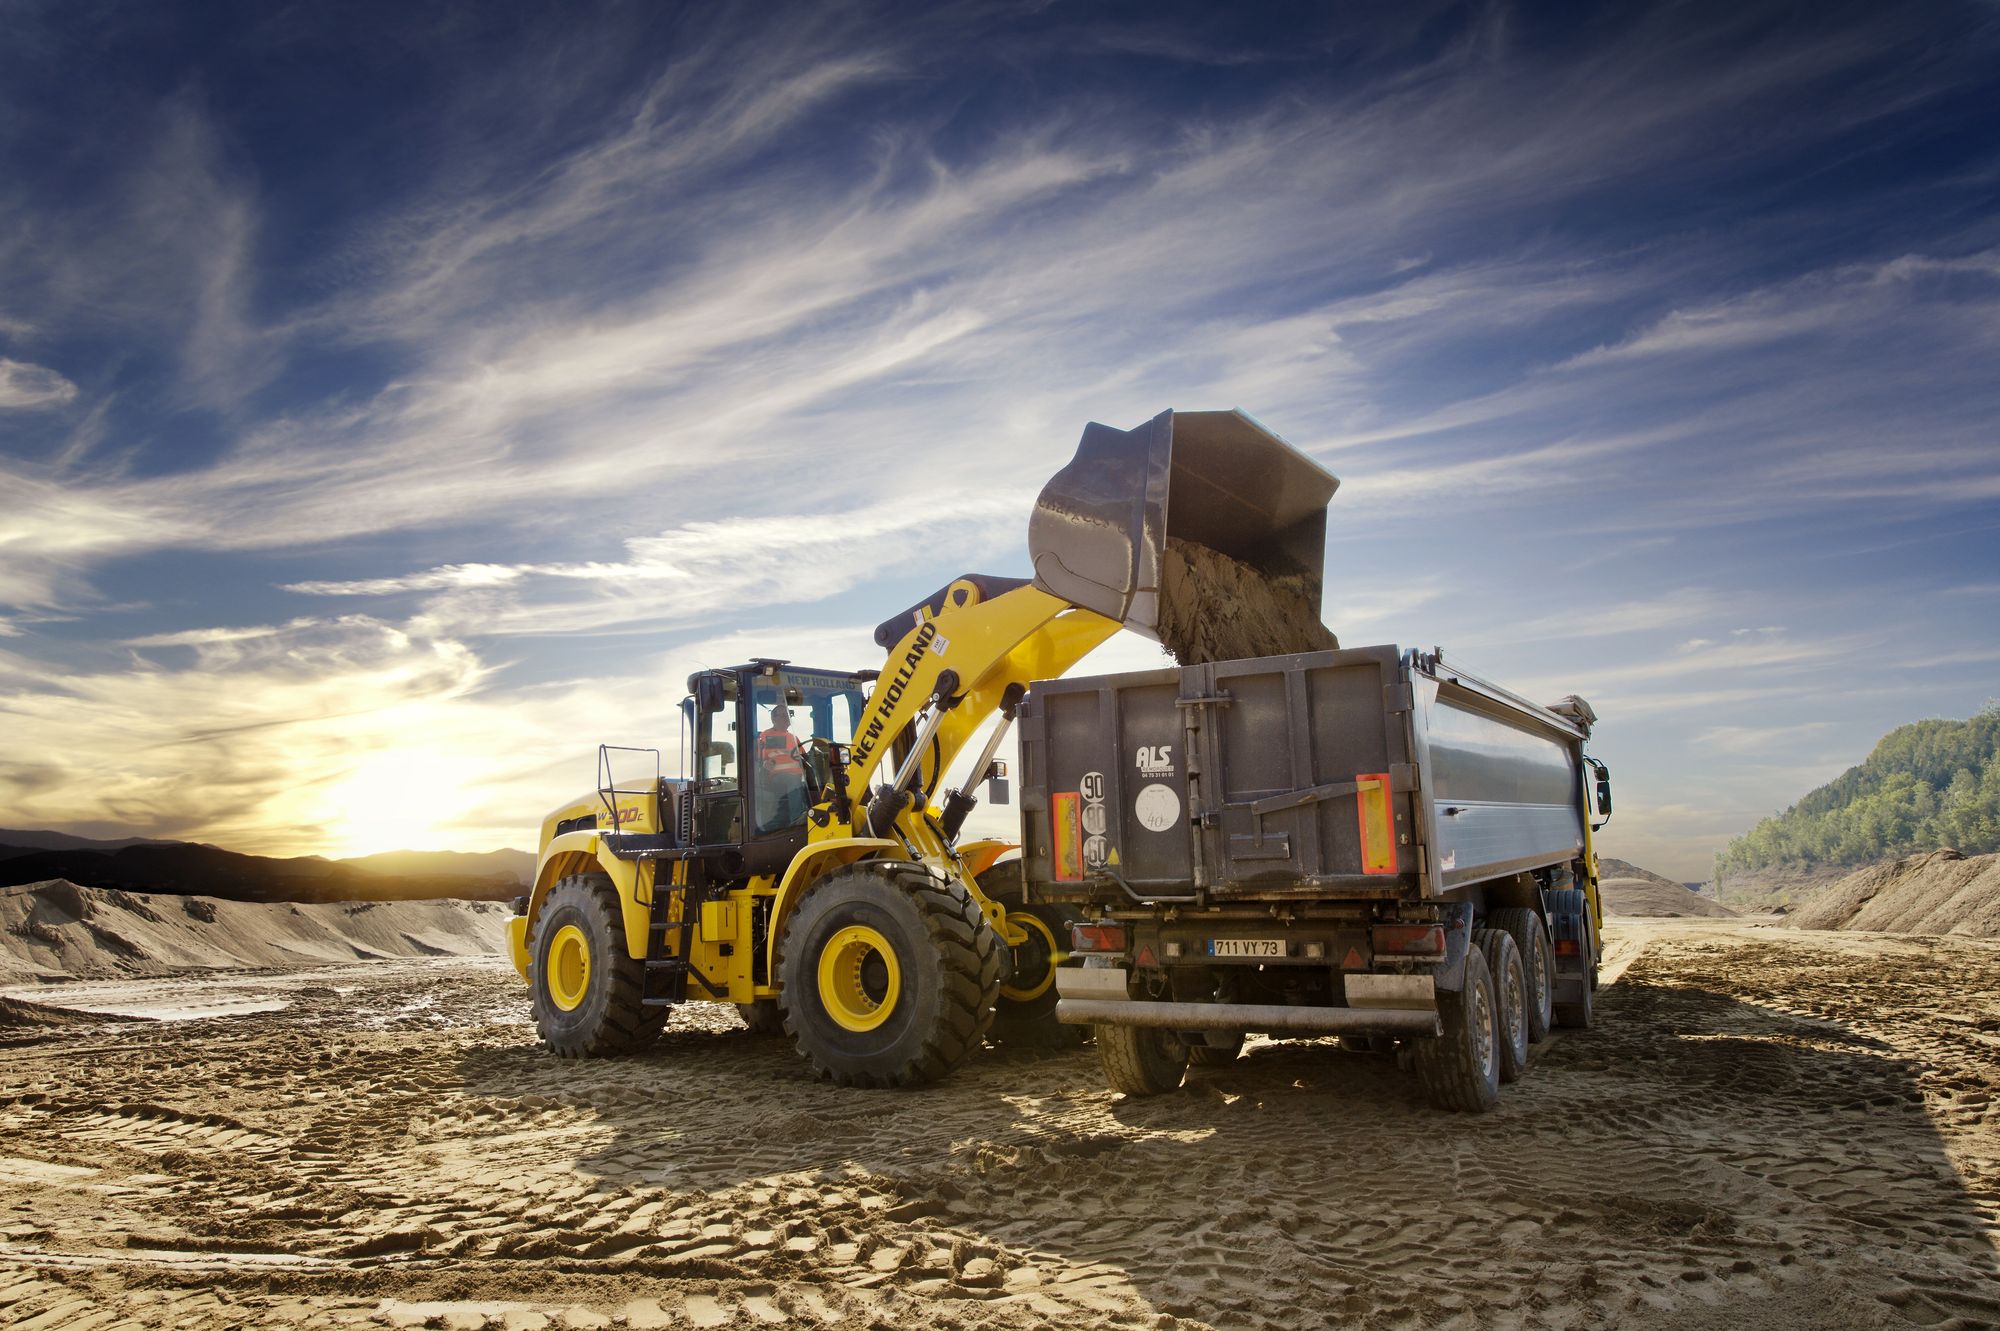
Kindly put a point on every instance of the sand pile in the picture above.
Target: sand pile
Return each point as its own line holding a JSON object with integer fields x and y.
{"x": 1942, "y": 892}
{"x": 1628, "y": 889}
{"x": 1214, "y": 608}
{"x": 57, "y": 930}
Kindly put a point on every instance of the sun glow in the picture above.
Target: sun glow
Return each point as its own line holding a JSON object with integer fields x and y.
{"x": 399, "y": 799}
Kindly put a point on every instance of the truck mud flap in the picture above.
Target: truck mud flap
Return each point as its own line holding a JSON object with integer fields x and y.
{"x": 1270, "y": 1017}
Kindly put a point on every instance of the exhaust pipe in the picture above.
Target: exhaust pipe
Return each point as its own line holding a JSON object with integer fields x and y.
{"x": 1100, "y": 529}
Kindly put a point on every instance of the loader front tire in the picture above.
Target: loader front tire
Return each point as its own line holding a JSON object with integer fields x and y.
{"x": 887, "y": 976}
{"x": 586, "y": 987}
{"x": 1460, "y": 1068}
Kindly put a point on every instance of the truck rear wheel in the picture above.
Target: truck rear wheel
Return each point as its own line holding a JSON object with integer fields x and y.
{"x": 1531, "y": 938}
{"x": 586, "y": 987}
{"x": 887, "y": 975}
{"x": 1569, "y": 918}
{"x": 1510, "y": 993}
{"x": 1460, "y": 1069}
{"x": 1141, "y": 1060}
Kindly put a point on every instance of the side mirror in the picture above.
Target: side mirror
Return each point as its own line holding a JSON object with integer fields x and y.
{"x": 708, "y": 692}
{"x": 996, "y": 784}
{"x": 1604, "y": 794}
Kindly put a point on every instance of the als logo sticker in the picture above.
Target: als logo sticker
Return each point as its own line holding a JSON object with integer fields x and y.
{"x": 1155, "y": 760}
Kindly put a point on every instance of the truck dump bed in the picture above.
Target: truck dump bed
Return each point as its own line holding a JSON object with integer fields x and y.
{"x": 1369, "y": 772}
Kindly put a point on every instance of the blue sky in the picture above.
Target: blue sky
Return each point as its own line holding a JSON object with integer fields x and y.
{"x": 397, "y": 401}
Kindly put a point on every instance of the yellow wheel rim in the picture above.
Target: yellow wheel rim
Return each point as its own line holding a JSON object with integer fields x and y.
{"x": 1036, "y": 927}
{"x": 859, "y": 979}
{"x": 569, "y": 968}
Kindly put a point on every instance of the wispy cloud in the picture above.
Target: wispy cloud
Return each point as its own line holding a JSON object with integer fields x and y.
{"x": 25, "y": 387}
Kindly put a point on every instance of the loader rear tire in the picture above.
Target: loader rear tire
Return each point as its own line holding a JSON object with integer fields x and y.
{"x": 887, "y": 975}
{"x": 1510, "y": 992}
{"x": 1025, "y": 1016}
{"x": 1460, "y": 1069}
{"x": 1141, "y": 1060}
{"x": 586, "y": 987}
{"x": 1531, "y": 938}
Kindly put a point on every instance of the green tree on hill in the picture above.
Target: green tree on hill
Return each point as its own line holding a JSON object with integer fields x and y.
{"x": 1928, "y": 784}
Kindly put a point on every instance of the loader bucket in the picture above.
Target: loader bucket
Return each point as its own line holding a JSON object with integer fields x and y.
{"x": 1214, "y": 478}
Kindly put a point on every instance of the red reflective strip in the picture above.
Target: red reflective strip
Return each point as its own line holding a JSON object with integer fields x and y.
{"x": 1409, "y": 939}
{"x": 1378, "y": 827}
{"x": 1097, "y": 937}
{"x": 1066, "y": 835}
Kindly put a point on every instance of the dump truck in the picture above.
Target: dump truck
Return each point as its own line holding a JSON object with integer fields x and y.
{"x": 1371, "y": 843}
{"x": 806, "y": 862}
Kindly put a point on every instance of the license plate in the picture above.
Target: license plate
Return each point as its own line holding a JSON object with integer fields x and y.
{"x": 1259, "y": 948}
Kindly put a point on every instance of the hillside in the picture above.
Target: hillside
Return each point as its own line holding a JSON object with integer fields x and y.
{"x": 1928, "y": 784}
{"x": 187, "y": 869}
{"x": 1942, "y": 892}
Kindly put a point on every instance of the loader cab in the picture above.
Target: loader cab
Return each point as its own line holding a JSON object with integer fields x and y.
{"x": 761, "y": 740}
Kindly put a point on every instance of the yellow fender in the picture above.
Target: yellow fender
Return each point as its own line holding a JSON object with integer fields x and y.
{"x": 582, "y": 852}
{"x": 806, "y": 868}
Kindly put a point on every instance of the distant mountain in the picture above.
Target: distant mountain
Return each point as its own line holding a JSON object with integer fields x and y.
{"x": 517, "y": 864}
{"x": 17, "y": 841}
{"x": 186, "y": 869}
{"x": 1926, "y": 785}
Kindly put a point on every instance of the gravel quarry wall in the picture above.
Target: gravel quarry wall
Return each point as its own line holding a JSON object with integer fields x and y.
{"x": 58, "y": 931}
{"x": 1215, "y": 608}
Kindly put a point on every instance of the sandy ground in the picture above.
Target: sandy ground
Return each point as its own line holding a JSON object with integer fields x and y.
{"x": 1768, "y": 1128}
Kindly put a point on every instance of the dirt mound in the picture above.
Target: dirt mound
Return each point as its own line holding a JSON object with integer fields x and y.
{"x": 19, "y": 1015}
{"x": 1655, "y": 897}
{"x": 1214, "y": 608}
{"x": 1628, "y": 889}
{"x": 1942, "y": 892}
{"x": 57, "y": 930}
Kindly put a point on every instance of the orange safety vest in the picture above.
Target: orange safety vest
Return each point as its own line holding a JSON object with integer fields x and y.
{"x": 777, "y": 750}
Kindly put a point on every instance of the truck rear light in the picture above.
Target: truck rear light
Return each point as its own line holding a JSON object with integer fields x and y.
{"x": 1408, "y": 940}
{"x": 1097, "y": 937}
{"x": 1173, "y": 949}
{"x": 1567, "y": 947}
{"x": 1315, "y": 950}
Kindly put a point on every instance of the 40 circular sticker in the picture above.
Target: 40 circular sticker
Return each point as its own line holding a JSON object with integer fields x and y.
{"x": 1157, "y": 807}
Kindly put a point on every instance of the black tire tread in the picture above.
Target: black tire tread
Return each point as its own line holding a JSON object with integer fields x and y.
{"x": 1524, "y": 924}
{"x": 1121, "y": 1049}
{"x": 627, "y": 1025}
{"x": 968, "y": 958}
{"x": 1444, "y": 1065}
{"x": 1498, "y": 947}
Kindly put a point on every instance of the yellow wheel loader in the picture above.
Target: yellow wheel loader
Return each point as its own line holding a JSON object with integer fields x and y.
{"x": 806, "y": 864}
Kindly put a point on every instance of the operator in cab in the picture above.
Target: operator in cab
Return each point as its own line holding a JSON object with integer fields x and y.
{"x": 781, "y": 787}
